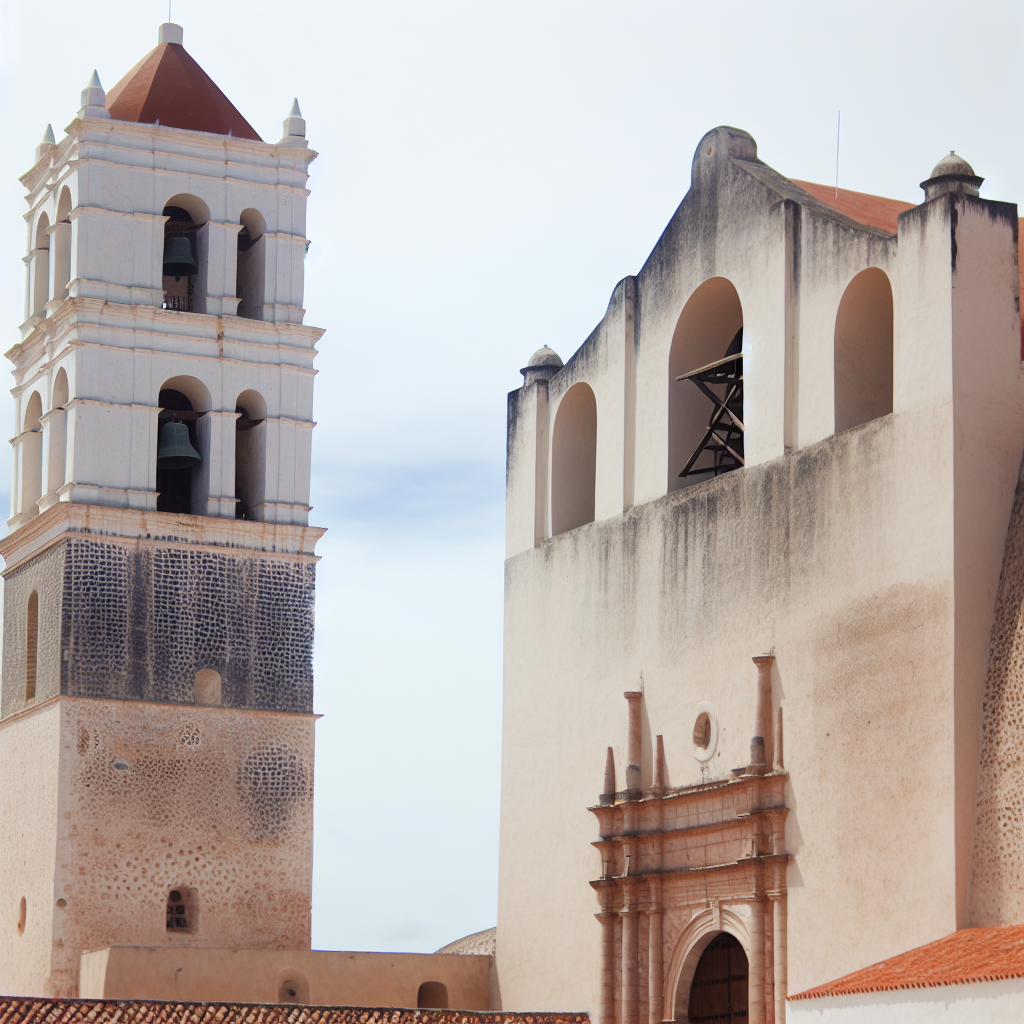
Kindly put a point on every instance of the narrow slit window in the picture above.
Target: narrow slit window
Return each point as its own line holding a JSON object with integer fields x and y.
{"x": 31, "y": 646}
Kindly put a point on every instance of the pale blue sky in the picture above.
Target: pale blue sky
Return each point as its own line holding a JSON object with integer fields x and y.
{"x": 488, "y": 172}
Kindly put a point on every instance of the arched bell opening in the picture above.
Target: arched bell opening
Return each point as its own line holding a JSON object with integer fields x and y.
{"x": 58, "y": 433}
{"x": 32, "y": 457}
{"x": 187, "y": 216}
{"x": 249, "y": 277}
{"x": 718, "y": 990}
{"x": 61, "y": 245}
{"x": 40, "y": 267}
{"x": 177, "y": 457}
{"x": 180, "y": 260}
{"x": 705, "y": 381}
{"x": 250, "y": 455}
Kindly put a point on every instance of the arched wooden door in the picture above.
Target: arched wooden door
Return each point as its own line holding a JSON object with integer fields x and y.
{"x": 718, "y": 992}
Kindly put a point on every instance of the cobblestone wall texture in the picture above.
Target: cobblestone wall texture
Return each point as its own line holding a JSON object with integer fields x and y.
{"x": 155, "y": 797}
{"x": 137, "y": 621}
{"x": 997, "y": 869}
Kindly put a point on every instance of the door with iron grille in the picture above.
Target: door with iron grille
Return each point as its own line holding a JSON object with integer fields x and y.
{"x": 718, "y": 992}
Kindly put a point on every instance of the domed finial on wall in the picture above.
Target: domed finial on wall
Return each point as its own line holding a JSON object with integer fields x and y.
{"x": 294, "y": 127}
{"x": 951, "y": 174}
{"x": 543, "y": 365}
{"x": 94, "y": 99}
{"x": 47, "y": 143}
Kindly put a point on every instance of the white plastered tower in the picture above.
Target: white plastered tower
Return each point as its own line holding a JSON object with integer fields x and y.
{"x": 156, "y": 715}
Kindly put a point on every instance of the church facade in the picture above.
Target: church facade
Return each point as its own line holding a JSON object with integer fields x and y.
{"x": 770, "y": 499}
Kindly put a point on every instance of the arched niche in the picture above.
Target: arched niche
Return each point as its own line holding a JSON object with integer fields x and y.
{"x": 711, "y": 322}
{"x": 574, "y": 459}
{"x": 250, "y": 455}
{"x": 251, "y": 267}
{"x": 58, "y": 430}
{"x": 863, "y": 350}
{"x": 32, "y": 456}
{"x": 185, "y": 253}
{"x": 432, "y": 995}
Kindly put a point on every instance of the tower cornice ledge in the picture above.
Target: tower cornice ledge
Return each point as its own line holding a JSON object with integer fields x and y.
{"x": 135, "y": 525}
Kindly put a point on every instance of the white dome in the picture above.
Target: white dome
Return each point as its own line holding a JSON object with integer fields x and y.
{"x": 952, "y": 164}
{"x": 545, "y": 356}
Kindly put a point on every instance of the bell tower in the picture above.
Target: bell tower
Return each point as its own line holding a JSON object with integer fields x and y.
{"x": 156, "y": 709}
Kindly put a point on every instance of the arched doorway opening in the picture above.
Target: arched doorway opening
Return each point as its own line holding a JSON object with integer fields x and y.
{"x": 718, "y": 991}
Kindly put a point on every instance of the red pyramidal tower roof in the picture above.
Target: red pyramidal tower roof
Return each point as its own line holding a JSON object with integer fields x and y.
{"x": 168, "y": 86}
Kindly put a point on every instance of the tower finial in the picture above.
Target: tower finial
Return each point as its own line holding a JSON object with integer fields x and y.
{"x": 94, "y": 99}
{"x": 170, "y": 33}
{"x": 294, "y": 127}
{"x": 47, "y": 143}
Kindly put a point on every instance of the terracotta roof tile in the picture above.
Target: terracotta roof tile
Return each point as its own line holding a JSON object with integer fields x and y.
{"x": 858, "y": 206}
{"x": 134, "y": 1011}
{"x": 971, "y": 954}
{"x": 168, "y": 86}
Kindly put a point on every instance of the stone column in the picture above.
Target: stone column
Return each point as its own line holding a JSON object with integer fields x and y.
{"x": 655, "y": 977}
{"x": 779, "y": 929}
{"x": 630, "y": 966}
{"x": 756, "y": 964}
{"x": 607, "y": 919}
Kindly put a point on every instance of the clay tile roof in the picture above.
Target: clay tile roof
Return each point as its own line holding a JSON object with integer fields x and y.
{"x": 136, "y": 1011}
{"x": 859, "y": 206}
{"x": 972, "y": 954}
{"x": 168, "y": 86}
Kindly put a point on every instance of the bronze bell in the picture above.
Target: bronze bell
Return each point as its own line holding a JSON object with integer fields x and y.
{"x": 178, "y": 258}
{"x": 175, "y": 450}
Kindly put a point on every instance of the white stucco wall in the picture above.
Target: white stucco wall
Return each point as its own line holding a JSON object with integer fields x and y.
{"x": 991, "y": 1002}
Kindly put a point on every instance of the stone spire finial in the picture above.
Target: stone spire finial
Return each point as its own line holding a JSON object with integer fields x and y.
{"x": 294, "y": 123}
{"x": 608, "y": 796}
{"x": 94, "y": 99}
{"x": 47, "y": 143}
